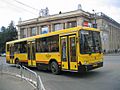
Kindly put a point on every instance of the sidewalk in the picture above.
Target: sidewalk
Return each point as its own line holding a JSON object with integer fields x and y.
{"x": 8, "y": 82}
{"x": 112, "y": 54}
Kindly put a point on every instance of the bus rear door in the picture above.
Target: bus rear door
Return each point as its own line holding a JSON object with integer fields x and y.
{"x": 31, "y": 53}
{"x": 68, "y": 52}
{"x": 11, "y": 53}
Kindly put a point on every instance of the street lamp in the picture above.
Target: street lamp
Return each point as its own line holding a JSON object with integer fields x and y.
{"x": 94, "y": 15}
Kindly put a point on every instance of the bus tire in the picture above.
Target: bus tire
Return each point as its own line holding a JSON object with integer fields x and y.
{"x": 17, "y": 61}
{"x": 55, "y": 68}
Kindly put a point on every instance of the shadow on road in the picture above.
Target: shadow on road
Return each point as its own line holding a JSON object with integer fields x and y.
{"x": 89, "y": 74}
{"x": 81, "y": 75}
{"x": 94, "y": 73}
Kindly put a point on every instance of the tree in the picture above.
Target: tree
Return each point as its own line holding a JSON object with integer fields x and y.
{"x": 3, "y": 29}
{"x": 11, "y": 31}
{"x": 7, "y": 34}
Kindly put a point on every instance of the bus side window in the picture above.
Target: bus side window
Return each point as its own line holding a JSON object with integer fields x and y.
{"x": 16, "y": 48}
{"x": 41, "y": 45}
{"x": 45, "y": 45}
{"x": 48, "y": 44}
{"x": 23, "y": 47}
{"x": 55, "y": 43}
{"x": 8, "y": 47}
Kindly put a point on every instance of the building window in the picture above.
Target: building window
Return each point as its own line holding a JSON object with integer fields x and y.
{"x": 23, "y": 33}
{"x": 58, "y": 26}
{"x": 33, "y": 31}
{"x": 44, "y": 29}
{"x": 72, "y": 24}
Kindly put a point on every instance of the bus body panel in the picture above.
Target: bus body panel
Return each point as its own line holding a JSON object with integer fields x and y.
{"x": 22, "y": 57}
{"x": 46, "y": 57}
{"x": 92, "y": 61}
{"x": 8, "y": 57}
{"x": 32, "y": 63}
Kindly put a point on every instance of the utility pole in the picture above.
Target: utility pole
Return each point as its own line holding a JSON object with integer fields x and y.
{"x": 94, "y": 15}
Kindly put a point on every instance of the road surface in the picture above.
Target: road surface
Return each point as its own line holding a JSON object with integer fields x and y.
{"x": 105, "y": 78}
{"x": 10, "y": 82}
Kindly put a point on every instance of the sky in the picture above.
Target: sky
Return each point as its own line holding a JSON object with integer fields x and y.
{"x": 28, "y": 9}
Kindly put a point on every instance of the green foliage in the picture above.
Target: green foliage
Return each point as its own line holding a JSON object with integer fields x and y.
{"x": 7, "y": 34}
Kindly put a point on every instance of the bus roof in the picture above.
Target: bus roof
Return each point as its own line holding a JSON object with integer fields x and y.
{"x": 68, "y": 30}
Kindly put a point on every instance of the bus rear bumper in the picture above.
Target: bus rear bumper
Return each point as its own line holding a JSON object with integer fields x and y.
{"x": 84, "y": 68}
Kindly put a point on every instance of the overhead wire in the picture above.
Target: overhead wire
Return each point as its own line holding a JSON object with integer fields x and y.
{"x": 26, "y": 5}
{"x": 17, "y": 7}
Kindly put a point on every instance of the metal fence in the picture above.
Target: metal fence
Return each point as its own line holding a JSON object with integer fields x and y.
{"x": 23, "y": 73}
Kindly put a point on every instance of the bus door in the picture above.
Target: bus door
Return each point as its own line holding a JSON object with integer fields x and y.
{"x": 31, "y": 53}
{"x": 64, "y": 53}
{"x": 68, "y": 52}
{"x": 12, "y": 53}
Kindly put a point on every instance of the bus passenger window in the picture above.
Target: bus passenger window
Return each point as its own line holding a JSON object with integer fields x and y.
{"x": 63, "y": 50}
{"x": 23, "y": 47}
{"x": 48, "y": 44}
{"x": 72, "y": 49}
{"x": 55, "y": 43}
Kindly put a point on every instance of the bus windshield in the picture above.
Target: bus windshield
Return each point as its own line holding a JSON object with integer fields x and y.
{"x": 90, "y": 42}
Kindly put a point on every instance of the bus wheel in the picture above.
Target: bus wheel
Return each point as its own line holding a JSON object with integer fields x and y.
{"x": 54, "y": 68}
{"x": 17, "y": 61}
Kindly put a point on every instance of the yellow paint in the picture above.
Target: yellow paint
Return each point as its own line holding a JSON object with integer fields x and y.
{"x": 29, "y": 63}
{"x": 46, "y": 57}
{"x": 11, "y": 61}
{"x": 73, "y": 66}
{"x": 90, "y": 59}
{"x": 21, "y": 56}
{"x": 65, "y": 65}
{"x": 7, "y": 56}
{"x": 34, "y": 63}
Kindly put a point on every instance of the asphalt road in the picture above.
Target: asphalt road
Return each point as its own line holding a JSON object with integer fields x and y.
{"x": 105, "y": 78}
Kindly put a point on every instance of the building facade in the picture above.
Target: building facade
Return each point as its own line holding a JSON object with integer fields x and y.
{"x": 110, "y": 32}
{"x": 110, "y": 29}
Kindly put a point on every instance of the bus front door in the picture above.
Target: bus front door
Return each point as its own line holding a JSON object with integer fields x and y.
{"x": 68, "y": 52}
{"x": 72, "y": 52}
{"x": 31, "y": 53}
{"x": 12, "y": 54}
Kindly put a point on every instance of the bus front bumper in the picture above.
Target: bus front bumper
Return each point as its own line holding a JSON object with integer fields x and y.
{"x": 84, "y": 68}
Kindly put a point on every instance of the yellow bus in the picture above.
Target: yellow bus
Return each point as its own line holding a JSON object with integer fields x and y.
{"x": 76, "y": 49}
